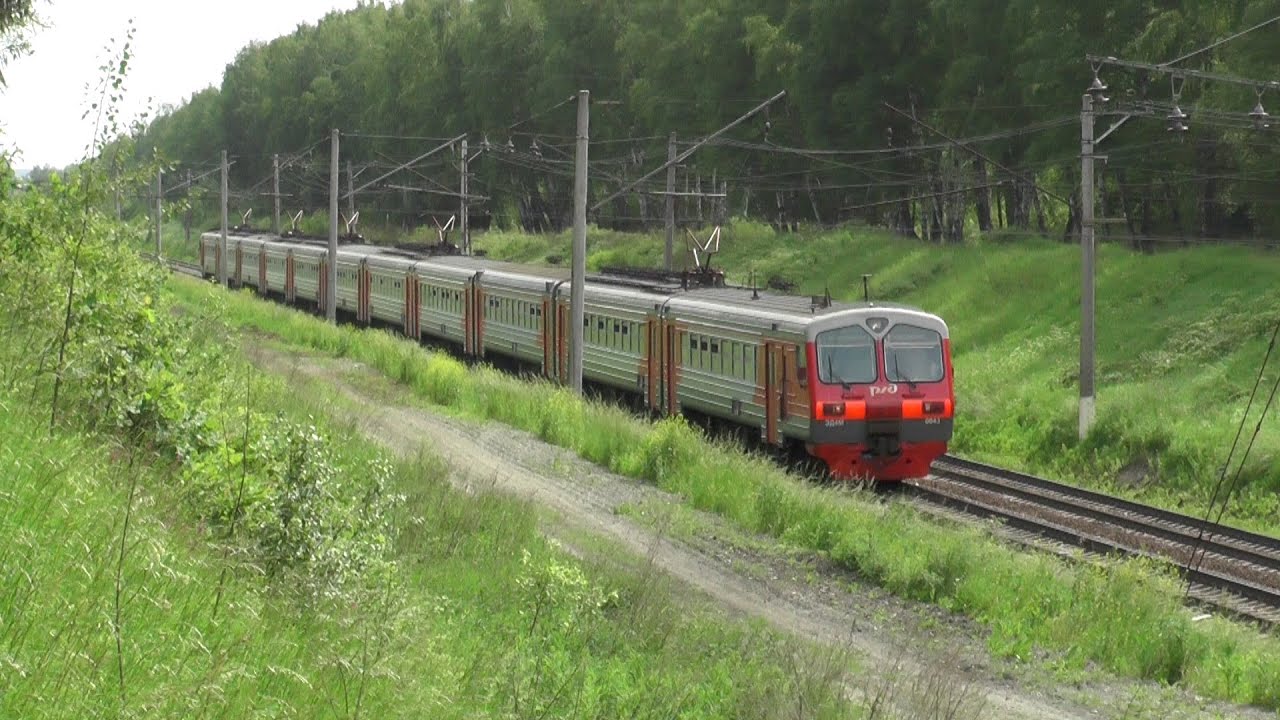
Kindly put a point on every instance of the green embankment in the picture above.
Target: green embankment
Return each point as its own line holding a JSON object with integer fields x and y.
{"x": 186, "y": 538}
{"x": 1125, "y": 616}
{"x": 1181, "y": 335}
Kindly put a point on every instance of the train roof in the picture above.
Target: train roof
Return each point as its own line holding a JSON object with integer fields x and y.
{"x": 673, "y": 289}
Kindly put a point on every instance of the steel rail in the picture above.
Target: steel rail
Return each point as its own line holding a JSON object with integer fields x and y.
{"x": 1243, "y": 577}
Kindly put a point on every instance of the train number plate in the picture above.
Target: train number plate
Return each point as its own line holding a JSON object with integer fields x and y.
{"x": 833, "y": 423}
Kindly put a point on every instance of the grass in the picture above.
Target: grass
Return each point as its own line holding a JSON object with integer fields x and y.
{"x": 1181, "y": 335}
{"x": 115, "y": 603}
{"x": 1126, "y": 616}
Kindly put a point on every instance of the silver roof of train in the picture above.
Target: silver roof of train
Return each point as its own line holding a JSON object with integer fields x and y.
{"x": 817, "y": 313}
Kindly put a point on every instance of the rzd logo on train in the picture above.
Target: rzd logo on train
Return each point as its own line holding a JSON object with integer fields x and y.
{"x": 884, "y": 390}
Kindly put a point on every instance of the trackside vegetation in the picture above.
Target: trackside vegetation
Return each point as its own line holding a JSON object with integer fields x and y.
{"x": 1125, "y": 616}
{"x": 185, "y": 537}
{"x": 1181, "y": 336}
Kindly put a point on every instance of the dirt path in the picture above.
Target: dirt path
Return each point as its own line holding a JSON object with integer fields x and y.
{"x": 936, "y": 651}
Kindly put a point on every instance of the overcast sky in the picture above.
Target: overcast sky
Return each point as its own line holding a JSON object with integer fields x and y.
{"x": 180, "y": 47}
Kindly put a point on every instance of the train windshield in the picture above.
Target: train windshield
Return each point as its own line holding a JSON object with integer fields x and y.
{"x": 913, "y": 354}
{"x": 846, "y": 355}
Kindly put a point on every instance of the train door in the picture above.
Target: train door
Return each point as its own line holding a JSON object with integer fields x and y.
{"x": 474, "y": 320}
{"x": 562, "y": 341}
{"x": 653, "y": 348}
{"x": 411, "y": 305}
{"x": 262, "y": 270}
{"x": 671, "y": 383}
{"x": 322, "y": 285}
{"x": 775, "y": 390}
{"x": 289, "y": 292}
{"x": 362, "y": 292}
{"x": 547, "y": 324}
{"x": 239, "y": 280}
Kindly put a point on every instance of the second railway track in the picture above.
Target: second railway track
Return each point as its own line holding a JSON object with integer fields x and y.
{"x": 1237, "y": 571}
{"x": 1230, "y": 568}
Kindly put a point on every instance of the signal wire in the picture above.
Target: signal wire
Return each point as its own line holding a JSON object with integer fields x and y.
{"x": 1239, "y": 431}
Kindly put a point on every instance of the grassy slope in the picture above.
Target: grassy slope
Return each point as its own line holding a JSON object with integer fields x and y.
{"x": 1180, "y": 339}
{"x": 452, "y": 636}
{"x": 1119, "y": 615}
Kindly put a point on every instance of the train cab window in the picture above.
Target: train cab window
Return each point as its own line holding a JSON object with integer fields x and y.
{"x": 913, "y": 354}
{"x": 846, "y": 355}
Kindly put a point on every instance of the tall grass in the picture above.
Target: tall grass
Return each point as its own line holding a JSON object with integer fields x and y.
{"x": 1180, "y": 337}
{"x": 115, "y": 605}
{"x": 1126, "y": 616}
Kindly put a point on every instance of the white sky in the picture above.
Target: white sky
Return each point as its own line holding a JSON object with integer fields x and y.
{"x": 180, "y": 47}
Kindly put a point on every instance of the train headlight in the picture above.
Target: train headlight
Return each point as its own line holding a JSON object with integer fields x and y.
{"x": 934, "y": 408}
{"x": 833, "y": 409}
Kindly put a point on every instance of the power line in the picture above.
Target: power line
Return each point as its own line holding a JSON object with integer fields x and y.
{"x": 1222, "y": 41}
{"x": 1226, "y": 499}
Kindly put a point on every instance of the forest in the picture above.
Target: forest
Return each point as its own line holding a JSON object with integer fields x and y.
{"x": 935, "y": 118}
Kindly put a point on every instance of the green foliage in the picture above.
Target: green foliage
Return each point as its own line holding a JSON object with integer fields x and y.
{"x": 1126, "y": 616}
{"x": 1181, "y": 336}
{"x": 500, "y": 70}
{"x": 190, "y": 536}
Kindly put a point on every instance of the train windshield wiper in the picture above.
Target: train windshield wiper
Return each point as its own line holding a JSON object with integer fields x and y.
{"x": 899, "y": 376}
{"x": 832, "y": 372}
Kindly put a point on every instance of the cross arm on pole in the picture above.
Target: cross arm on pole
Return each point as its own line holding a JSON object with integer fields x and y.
{"x": 680, "y": 157}
{"x": 1182, "y": 72}
{"x": 398, "y": 168}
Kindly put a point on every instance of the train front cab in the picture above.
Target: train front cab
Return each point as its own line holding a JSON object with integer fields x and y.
{"x": 883, "y": 397}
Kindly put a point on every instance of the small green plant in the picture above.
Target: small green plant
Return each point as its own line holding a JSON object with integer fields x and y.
{"x": 1124, "y": 616}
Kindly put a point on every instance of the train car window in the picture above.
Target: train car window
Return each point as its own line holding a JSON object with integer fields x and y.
{"x": 749, "y": 361}
{"x": 846, "y": 355}
{"x": 913, "y": 354}
{"x": 802, "y": 363}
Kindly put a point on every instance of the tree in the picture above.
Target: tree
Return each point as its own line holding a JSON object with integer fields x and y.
{"x": 15, "y": 17}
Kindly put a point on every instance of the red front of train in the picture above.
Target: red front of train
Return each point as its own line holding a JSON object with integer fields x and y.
{"x": 882, "y": 393}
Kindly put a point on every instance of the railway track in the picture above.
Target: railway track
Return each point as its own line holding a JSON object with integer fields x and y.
{"x": 1232, "y": 569}
{"x": 180, "y": 266}
{"x": 1237, "y": 571}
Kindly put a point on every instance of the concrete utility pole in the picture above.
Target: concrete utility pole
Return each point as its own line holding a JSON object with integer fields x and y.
{"x": 351, "y": 192}
{"x": 186, "y": 220}
{"x": 331, "y": 290}
{"x": 578, "y": 278}
{"x": 1087, "y": 268}
{"x": 464, "y": 237}
{"x": 159, "y": 210}
{"x": 222, "y": 239}
{"x": 275, "y": 193}
{"x": 669, "y": 249}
